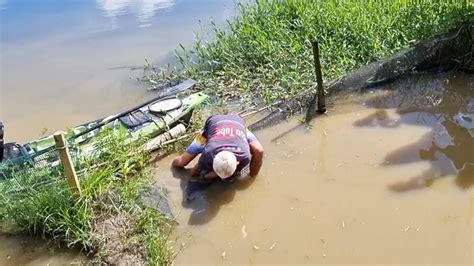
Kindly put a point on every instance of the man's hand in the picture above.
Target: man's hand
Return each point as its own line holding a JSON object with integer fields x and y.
{"x": 194, "y": 171}
{"x": 183, "y": 160}
{"x": 256, "y": 149}
{"x": 211, "y": 175}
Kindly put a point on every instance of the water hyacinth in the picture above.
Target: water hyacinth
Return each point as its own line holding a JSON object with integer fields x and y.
{"x": 264, "y": 51}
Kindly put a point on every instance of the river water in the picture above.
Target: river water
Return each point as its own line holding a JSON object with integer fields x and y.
{"x": 384, "y": 178}
{"x": 63, "y": 63}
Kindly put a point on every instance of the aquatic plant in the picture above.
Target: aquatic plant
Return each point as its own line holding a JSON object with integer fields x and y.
{"x": 264, "y": 51}
{"x": 111, "y": 183}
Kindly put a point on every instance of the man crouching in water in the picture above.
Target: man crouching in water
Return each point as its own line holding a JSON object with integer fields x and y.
{"x": 226, "y": 147}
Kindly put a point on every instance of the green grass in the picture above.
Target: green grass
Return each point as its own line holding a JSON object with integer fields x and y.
{"x": 264, "y": 52}
{"x": 109, "y": 190}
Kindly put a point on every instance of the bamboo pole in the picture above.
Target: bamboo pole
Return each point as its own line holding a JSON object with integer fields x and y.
{"x": 320, "y": 94}
{"x": 67, "y": 163}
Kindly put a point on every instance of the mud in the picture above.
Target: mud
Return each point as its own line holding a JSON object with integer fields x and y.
{"x": 121, "y": 249}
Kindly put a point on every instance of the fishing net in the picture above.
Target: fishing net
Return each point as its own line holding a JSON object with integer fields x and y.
{"x": 453, "y": 50}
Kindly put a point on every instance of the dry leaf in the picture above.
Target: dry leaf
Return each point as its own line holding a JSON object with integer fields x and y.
{"x": 244, "y": 232}
{"x": 273, "y": 246}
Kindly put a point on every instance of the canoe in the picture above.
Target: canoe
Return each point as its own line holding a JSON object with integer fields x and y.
{"x": 147, "y": 121}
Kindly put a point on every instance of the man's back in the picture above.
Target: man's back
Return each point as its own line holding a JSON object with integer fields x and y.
{"x": 225, "y": 133}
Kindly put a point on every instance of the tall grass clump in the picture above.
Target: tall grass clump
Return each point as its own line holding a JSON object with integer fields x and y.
{"x": 111, "y": 182}
{"x": 264, "y": 50}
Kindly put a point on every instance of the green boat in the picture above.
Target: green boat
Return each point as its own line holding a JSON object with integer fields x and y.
{"x": 147, "y": 120}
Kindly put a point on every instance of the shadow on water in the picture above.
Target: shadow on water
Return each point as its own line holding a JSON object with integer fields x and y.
{"x": 445, "y": 103}
{"x": 206, "y": 197}
{"x": 378, "y": 118}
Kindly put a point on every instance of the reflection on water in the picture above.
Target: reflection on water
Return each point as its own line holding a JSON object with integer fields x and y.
{"x": 143, "y": 9}
{"x": 446, "y": 104}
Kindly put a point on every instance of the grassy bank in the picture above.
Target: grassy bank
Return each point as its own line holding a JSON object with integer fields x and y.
{"x": 264, "y": 52}
{"x": 107, "y": 221}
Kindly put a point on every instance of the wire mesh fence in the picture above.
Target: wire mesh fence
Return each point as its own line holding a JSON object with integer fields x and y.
{"x": 41, "y": 169}
{"x": 35, "y": 170}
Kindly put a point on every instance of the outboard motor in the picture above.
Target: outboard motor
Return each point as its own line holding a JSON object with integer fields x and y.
{"x": 1, "y": 141}
{"x": 10, "y": 150}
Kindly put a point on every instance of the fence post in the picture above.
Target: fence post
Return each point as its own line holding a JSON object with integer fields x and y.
{"x": 320, "y": 94}
{"x": 66, "y": 161}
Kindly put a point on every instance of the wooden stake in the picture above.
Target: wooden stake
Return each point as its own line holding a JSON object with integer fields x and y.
{"x": 67, "y": 163}
{"x": 1, "y": 141}
{"x": 319, "y": 95}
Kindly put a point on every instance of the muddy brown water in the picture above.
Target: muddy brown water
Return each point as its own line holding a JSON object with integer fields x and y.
{"x": 67, "y": 63}
{"x": 383, "y": 178}
{"x": 16, "y": 250}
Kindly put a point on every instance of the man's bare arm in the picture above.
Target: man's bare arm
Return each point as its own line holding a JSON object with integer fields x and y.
{"x": 256, "y": 149}
{"x": 183, "y": 160}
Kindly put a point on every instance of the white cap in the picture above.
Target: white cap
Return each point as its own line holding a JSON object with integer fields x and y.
{"x": 224, "y": 164}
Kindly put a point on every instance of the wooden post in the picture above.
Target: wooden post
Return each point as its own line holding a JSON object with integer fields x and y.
{"x": 320, "y": 94}
{"x": 319, "y": 78}
{"x": 1, "y": 141}
{"x": 66, "y": 161}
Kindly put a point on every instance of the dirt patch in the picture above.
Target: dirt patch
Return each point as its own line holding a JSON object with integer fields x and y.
{"x": 118, "y": 243}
